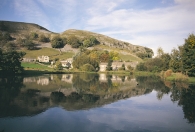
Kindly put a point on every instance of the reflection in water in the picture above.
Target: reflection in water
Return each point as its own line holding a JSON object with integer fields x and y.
{"x": 9, "y": 89}
{"x": 179, "y": 93}
{"x": 26, "y": 97}
{"x": 186, "y": 99}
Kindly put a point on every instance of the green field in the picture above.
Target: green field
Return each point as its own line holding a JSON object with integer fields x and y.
{"x": 52, "y": 53}
{"x": 129, "y": 57}
{"x": 34, "y": 66}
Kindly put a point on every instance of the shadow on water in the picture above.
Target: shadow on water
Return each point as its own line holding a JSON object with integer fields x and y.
{"x": 30, "y": 96}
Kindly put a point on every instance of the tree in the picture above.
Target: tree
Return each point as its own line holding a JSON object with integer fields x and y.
{"x": 90, "y": 41}
{"x": 9, "y": 46}
{"x": 165, "y": 59}
{"x": 141, "y": 67}
{"x": 34, "y": 35}
{"x": 10, "y": 61}
{"x": 130, "y": 68}
{"x": 104, "y": 57}
{"x": 122, "y": 67}
{"x": 154, "y": 65}
{"x": 144, "y": 55}
{"x": 160, "y": 52}
{"x": 188, "y": 55}
{"x": 175, "y": 61}
{"x": 87, "y": 43}
{"x": 149, "y": 52}
{"x": 29, "y": 44}
{"x": 109, "y": 66}
{"x": 114, "y": 55}
{"x": 84, "y": 58}
{"x": 43, "y": 38}
{"x": 59, "y": 66}
{"x": 74, "y": 41}
{"x": 80, "y": 60}
{"x": 93, "y": 40}
{"x": 5, "y": 36}
{"x": 57, "y": 42}
{"x": 87, "y": 67}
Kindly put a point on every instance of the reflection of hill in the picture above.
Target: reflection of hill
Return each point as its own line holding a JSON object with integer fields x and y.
{"x": 86, "y": 91}
{"x": 89, "y": 94}
{"x": 31, "y": 102}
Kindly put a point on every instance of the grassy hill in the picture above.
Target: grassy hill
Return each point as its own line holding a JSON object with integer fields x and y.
{"x": 21, "y": 27}
{"x": 105, "y": 40}
{"x": 127, "y": 51}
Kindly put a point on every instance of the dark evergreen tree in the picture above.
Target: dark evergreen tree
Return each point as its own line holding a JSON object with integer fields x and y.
{"x": 165, "y": 59}
{"x": 188, "y": 56}
{"x": 10, "y": 61}
{"x": 175, "y": 61}
{"x": 57, "y": 42}
{"x": 109, "y": 66}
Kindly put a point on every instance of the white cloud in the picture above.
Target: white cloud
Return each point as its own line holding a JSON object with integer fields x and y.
{"x": 155, "y": 27}
{"x": 161, "y": 26}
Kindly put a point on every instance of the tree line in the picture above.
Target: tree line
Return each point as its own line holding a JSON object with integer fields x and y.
{"x": 181, "y": 59}
{"x": 88, "y": 60}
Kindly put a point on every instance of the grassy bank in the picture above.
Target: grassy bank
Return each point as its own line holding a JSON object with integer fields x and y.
{"x": 176, "y": 77}
{"x": 35, "y": 66}
{"x": 35, "y": 69}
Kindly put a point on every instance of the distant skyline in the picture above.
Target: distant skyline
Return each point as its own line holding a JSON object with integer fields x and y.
{"x": 150, "y": 23}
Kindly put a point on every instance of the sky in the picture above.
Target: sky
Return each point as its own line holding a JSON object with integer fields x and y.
{"x": 149, "y": 23}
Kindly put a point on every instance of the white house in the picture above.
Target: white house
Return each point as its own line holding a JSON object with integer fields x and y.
{"x": 43, "y": 58}
{"x": 67, "y": 63}
{"x": 117, "y": 65}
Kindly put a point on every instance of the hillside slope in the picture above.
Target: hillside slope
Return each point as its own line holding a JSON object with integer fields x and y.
{"x": 107, "y": 41}
{"x": 125, "y": 49}
{"x": 21, "y": 28}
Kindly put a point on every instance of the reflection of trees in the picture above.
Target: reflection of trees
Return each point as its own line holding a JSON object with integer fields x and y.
{"x": 74, "y": 101}
{"x": 89, "y": 83}
{"x": 9, "y": 90}
{"x": 90, "y": 93}
{"x": 184, "y": 96}
{"x": 57, "y": 97}
{"x": 186, "y": 99}
{"x": 86, "y": 82}
{"x": 152, "y": 83}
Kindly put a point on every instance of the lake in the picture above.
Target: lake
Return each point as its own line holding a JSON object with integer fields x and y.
{"x": 95, "y": 103}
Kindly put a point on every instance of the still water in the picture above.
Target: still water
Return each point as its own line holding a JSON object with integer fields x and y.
{"x": 95, "y": 103}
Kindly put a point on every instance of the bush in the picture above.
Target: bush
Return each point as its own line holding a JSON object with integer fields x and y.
{"x": 130, "y": 68}
{"x": 141, "y": 67}
{"x": 5, "y": 36}
{"x": 59, "y": 66}
{"x": 167, "y": 73}
{"x": 87, "y": 67}
{"x": 33, "y": 35}
{"x": 122, "y": 67}
{"x": 109, "y": 66}
{"x": 43, "y": 38}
